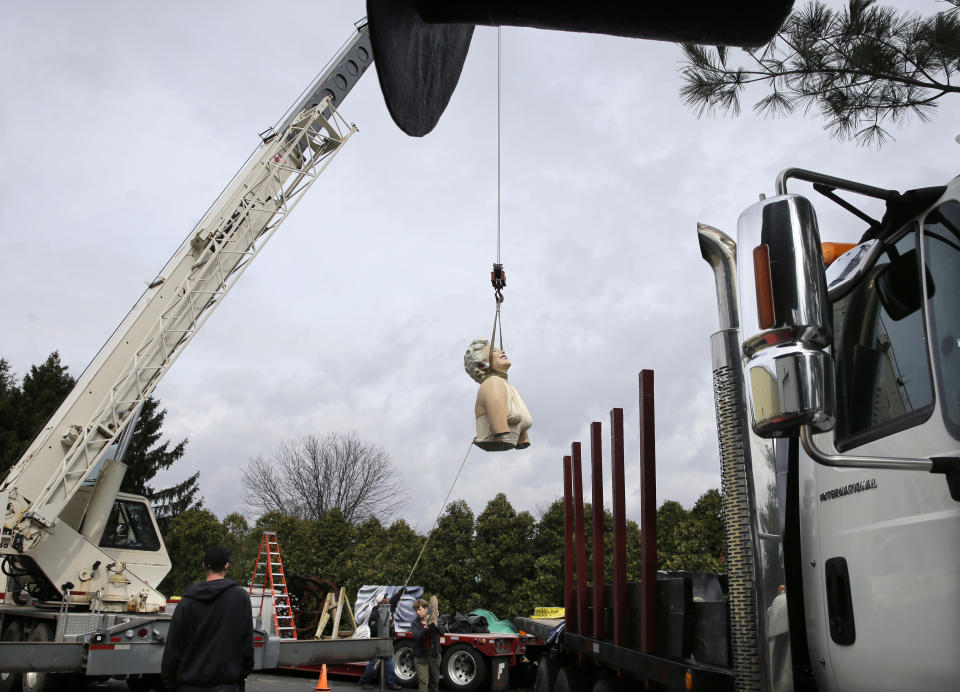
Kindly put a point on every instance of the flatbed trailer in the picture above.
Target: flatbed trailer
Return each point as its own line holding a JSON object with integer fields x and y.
{"x": 668, "y": 631}
{"x": 469, "y": 661}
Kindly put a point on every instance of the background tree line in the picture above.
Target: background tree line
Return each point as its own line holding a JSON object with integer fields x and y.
{"x": 503, "y": 560}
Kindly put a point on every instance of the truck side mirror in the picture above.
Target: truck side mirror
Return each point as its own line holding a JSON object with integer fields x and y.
{"x": 785, "y": 318}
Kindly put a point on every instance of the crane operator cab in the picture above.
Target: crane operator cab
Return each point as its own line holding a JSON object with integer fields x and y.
{"x": 132, "y": 536}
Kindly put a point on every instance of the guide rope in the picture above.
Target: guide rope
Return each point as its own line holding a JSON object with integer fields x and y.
{"x": 437, "y": 520}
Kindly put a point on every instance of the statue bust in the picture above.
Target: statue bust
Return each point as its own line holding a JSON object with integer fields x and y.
{"x": 502, "y": 417}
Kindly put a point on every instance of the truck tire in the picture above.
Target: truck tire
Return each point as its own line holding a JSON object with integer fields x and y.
{"x": 608, "y": 683}
{"x": 11, "y": 682}
{"x": 572, "y": 679}
{"x": 43, "y": 682}
{"x": 547, "y": 669}
{"x": 403, "y": 666}
{"x": 463, "y": 668}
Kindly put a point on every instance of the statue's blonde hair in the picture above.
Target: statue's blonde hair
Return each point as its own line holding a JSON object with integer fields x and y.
{"x": 475, "y": 361}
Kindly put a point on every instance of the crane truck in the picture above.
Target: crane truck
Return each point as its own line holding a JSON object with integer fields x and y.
{"x": 837, "y": 387}
{"x": 82, "y": 560}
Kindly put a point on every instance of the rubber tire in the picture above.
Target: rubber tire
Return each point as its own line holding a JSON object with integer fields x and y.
{"x": 11, "y": 682}
{"x": 43, "y": 682}
{"x": 609, "y": 683}
{"x": 403, "y": 667}
{"x": 573, "y": 679}
{"x": 463, "y": 668}
{"x": 547, "y": 669}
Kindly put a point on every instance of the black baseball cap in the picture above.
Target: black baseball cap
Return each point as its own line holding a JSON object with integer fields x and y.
{"x": 216, "y": 558}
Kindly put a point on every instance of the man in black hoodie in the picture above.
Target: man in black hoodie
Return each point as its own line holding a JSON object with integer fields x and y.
{"x": 210, "y": 641}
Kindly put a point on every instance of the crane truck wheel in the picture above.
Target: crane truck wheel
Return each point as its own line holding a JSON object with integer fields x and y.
{"x": 571, "y": 679}
{"x": 10, "y": 682}
{"x": 43, "y": 682}
{"x": 463, "y": 668}
{"x": 403, "y": 666}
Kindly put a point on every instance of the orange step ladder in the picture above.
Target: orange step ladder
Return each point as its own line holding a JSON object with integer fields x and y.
{"x": 269, "y": 571}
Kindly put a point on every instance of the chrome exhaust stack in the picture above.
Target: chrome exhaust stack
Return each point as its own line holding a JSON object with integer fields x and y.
{"x": 751, "y": 666}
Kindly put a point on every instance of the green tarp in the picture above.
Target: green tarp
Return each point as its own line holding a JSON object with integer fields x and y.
{"x": 495, "y": 624}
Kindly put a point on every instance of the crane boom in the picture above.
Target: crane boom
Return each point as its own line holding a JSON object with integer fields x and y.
{"x": 176, "y": 304}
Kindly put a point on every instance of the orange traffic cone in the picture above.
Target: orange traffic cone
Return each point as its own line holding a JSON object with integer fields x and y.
{"x": 322, "y": 685}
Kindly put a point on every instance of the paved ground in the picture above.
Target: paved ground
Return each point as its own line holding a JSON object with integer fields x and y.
{"x": 276, "y": 682}
{"x": 262, "y": 682}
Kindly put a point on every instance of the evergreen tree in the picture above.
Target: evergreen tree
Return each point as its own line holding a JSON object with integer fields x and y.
{"x": 633, "y": 551}
{"x": 370, "y": 541}
{"x": 545, "y": 585}
{"x": 145, "y": 458}
{"x": 331, "y": 536}
{"x": 26, "y": 409}
{"x": 858, "y": 68}
{"x": 502, "y": 549}
{"x": 671, "y": 520}
{"x": 294, "y": 539}
{"x": 707, "y": 515}
{"x": 189, "y": 535}
{"x": 449, "y": 561}
{"x": 545, "y": 588}
{"x": 399, "y": 555}
{"x": 241, "y": 542}
{"x": 10, "y": 441}
{"x": 692, "y": 540}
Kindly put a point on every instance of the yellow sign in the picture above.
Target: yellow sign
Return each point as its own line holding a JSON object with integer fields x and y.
{"x": 547, "y": 613}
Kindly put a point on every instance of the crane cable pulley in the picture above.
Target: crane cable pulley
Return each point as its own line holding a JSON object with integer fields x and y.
{"x": 498, "y": 277}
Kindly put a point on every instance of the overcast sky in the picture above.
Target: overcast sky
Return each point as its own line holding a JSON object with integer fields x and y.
{"x": 120, "y": 122}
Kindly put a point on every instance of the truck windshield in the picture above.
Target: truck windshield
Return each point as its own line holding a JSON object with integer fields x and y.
{"x": 941, "y": 238}
{"x": 884, "y": 383}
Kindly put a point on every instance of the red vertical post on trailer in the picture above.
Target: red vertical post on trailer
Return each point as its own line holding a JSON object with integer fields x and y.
{"x": 580, "y": 542}
{"x": 619, "y": 530}
{"x": 569, "y": 609}
{"x": 599, "y": 582}
{"x": 648, "y": 516}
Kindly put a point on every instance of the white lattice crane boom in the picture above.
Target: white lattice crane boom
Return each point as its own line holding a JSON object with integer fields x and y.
{"x": 46, "y": 517}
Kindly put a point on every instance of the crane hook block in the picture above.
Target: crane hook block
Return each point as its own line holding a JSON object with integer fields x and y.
{"x": 498, "y": 277}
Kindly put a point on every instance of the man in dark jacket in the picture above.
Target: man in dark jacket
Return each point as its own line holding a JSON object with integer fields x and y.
{"x": 210, "y": 641}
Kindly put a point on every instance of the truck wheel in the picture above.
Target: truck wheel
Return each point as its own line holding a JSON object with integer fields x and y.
{"x": 571, "y": 679}
{"x": 547, "y": 669}
{"x": 608, "y": 683}
{"x": 464, "y": 669}
{"x": 403, "y": 666}
{"x": 10, "y": 682}
{"x": 42, "y": 682}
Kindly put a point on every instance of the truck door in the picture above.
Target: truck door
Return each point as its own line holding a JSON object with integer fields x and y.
{"x": 884, "y": 556}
